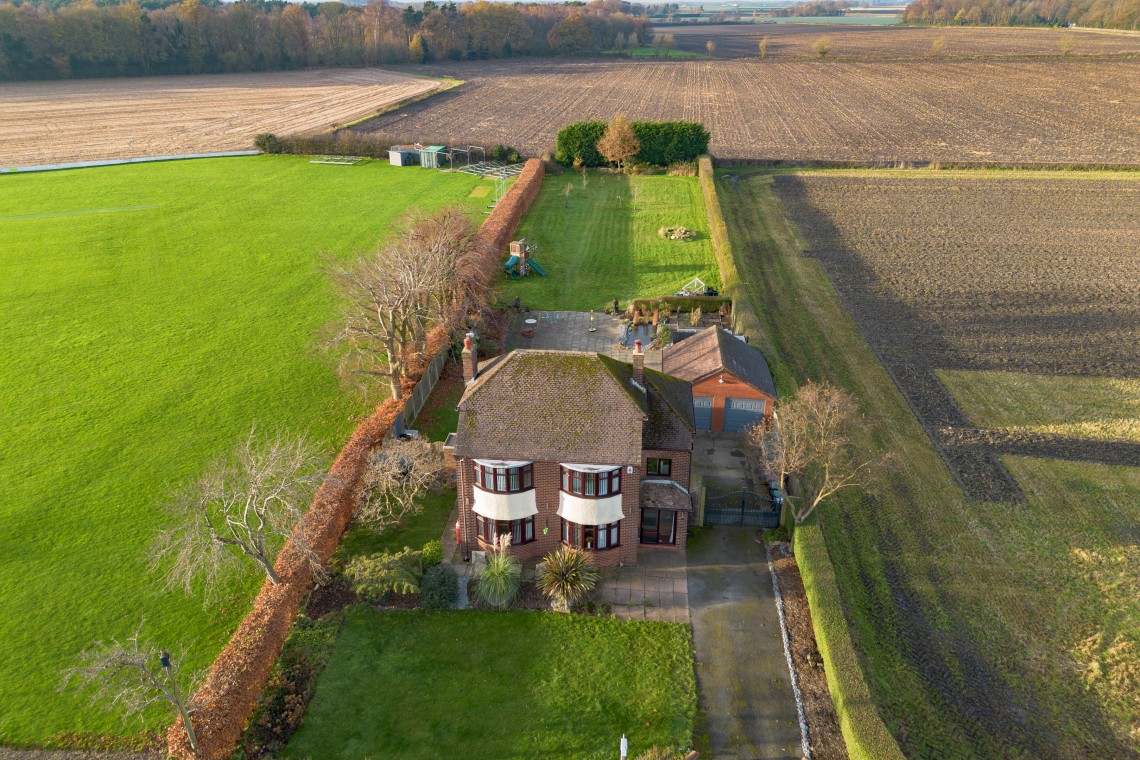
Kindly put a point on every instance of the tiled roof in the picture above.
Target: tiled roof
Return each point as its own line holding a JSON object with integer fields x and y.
{"x": 716, "y": 350}
{"x": 671, "y": 422}
{"x": 664, "y": 494}
{"x": 552, "y": 406}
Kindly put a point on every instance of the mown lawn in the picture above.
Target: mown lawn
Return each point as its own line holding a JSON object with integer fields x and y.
{"x": 138, "y": 343}
{"x": 414, "y": 531}
{"x": 499, "y": 685}
{"x": 1081, "y": 407}
{"x": 979, "y": 627}
{"x": 598, "y": 240}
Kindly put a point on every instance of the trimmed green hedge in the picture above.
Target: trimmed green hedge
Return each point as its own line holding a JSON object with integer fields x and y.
{"x": 866, "y": 735}
{"x": 707, "y": 304}
{"x": 744, "y": 319}
{"x": 662, "y": 142}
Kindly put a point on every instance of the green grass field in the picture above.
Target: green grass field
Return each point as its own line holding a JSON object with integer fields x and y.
{"x": 1028, "y": 610}
{"x": 506, "y": 685}
{"x": 599, "y": 242}
{"x": 152, "y": 314}
{"x": 1081, "y": 407}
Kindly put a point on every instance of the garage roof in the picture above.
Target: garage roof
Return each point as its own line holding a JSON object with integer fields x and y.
{"x": 717, "y": 350}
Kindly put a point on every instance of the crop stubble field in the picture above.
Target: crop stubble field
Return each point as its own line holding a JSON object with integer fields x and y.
{"x": 985, "y": 628}
{"x": 1074, "y": 111}
{"x": 1029, "y": 275}
{"x": 796, "y": 40}
{"x": 98, "y": 119}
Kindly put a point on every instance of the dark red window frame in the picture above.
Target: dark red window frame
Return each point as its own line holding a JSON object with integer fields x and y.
{"x": 521, "y": 531}
{"x": 588, "y": 537}
{"x": 504, "y": 479}
{"x": 588, "y": 485}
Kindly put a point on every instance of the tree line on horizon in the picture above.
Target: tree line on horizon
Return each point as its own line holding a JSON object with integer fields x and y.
{"x": 1105, "y": 14}
{"x": 86, "y": 39}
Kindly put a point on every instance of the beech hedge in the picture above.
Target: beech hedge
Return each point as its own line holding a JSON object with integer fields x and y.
{"x": 221, "y": 707}
{"x": 662, "y": 142}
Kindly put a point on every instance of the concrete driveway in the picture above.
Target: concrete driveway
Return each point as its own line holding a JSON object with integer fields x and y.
{"x": 745, "y": 691}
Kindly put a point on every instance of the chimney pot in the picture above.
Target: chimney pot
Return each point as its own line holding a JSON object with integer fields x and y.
{"x": 470, "y": 359}
{"x": 638, "y": 364}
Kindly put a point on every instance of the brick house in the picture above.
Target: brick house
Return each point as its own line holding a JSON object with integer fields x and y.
{"x": 732, "y": 385}
{"x": 565, "y": 447}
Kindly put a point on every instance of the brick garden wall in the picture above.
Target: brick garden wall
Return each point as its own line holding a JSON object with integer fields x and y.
{"x": 221, "y": 707}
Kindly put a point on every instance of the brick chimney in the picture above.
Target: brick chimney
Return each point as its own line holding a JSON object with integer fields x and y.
{"x": 470, "y": 358}
{"x": 638, "y": 364}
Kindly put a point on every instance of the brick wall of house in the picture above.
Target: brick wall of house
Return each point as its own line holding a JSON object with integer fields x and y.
{"x": 730, "y": 388}
{"x": 680, "y": 468}
{"x": 547, "y": 523}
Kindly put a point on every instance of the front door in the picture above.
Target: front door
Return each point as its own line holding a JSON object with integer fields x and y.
{"x": 657, "y": 526}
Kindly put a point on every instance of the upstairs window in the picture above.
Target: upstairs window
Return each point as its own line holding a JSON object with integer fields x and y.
{"x": 591, "y": 484}
{"x": 656, "y": 466}
{"x": 504, "y": 479}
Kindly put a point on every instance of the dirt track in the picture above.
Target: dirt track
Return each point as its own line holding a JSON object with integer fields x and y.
{"x": 95, "y": 119}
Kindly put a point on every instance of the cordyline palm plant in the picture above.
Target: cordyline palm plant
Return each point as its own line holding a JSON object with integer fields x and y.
{"x": 566, "y": 576}
{"x": 499, "y": 578}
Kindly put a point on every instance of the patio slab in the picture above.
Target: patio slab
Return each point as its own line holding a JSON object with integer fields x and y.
{"x": 656, "y": 588}
{"x": 595, "y": 332}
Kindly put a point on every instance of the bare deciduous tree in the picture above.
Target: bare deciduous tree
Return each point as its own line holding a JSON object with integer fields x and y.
{"x": 822, "y": 46}
{"x": 765, "y": 42}
{"x": 426, "y": 275}
{"x": 619, "y": 144}
{"x": 398, "y": 475}
{"x": 811, "y": 437}
{"x": 244, "y": 505}
{"x": 132, "y": 675}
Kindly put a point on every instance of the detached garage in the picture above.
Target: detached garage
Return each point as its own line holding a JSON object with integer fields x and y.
{"x": 732, "y": 385}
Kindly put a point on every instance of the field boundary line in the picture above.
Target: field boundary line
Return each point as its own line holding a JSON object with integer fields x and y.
{"x": 864, "y": 732}
{"x": 449, "y": 83}
{"x": 121, "y": 161}
{"x": 789, "y": 164}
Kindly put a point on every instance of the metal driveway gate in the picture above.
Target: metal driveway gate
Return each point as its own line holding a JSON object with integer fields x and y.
{"x": 741, "y": 507}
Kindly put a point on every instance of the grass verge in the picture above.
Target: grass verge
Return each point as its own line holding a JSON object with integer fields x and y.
{"x": 137, "y": 345}
{"x": 1079, "y": 407}
{"x": 499, "y": 684}
{"x": 598, "y": 240}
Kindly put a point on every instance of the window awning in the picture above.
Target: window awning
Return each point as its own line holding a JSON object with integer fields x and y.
{"x": 601, "y": 511}
{"x": 505, "y": 506}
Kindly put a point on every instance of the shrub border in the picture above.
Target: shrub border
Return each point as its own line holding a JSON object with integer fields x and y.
{"x": 228, "y": 696}
{"x": 864, "y": 732}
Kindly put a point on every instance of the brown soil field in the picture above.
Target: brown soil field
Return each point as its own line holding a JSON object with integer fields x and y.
{"x": 97, "y": 119}
{"x": 852, "y": 41}
{"x": 1073, "y": 111}
{"x": 1023, "y": 274}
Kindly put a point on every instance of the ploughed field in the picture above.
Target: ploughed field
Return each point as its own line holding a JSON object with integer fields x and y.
{"x": 854, "y": 41}
{"x": 1030, "y": 274}
{"x": 1082, "y": 111}
{"x": 98, "y": 119}
{"x": 984, "y": 627}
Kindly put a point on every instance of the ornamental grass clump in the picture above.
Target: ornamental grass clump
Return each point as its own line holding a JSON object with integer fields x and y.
{"x": 499, "y": 578}
{"x": 567, "y": 577}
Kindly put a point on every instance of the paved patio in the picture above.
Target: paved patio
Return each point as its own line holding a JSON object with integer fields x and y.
{"x": 656, "y": 588}
{"x": 596, "y": 332}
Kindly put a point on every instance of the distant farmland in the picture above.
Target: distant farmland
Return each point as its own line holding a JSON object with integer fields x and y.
{"x": 85, "y": 120}
{"x": 852, "y": 41}
{"x": 994, "y": 111}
